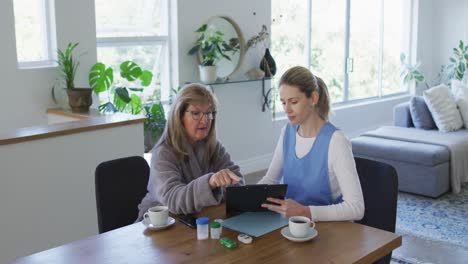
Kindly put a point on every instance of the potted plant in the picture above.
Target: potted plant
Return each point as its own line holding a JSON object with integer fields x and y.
{"x": 211, "y": 47}
{"x": 410, "y": 73}
{"x": 458, "y": 64}
{"x": 154, "y": 124}
{"x": 121, "y": 96}
{"x": 79, "y": 98}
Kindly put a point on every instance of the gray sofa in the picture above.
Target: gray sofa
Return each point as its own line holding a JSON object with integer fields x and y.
{"x": 422, "y": 158}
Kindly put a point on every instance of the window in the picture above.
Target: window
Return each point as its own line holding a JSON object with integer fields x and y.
{"x": 136, "y": 30}
{"x": 354, "y": 45}
{"x": 35, "y": 33}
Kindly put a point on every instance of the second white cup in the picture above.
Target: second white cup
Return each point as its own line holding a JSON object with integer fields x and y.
{"x": 157, "y": 215}
{"x": 299, "y": 225}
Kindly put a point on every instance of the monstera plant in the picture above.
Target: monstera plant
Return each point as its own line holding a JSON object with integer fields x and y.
{"x": 123, "y": 95}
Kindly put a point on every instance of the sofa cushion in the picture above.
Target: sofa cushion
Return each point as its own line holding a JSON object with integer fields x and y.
{"x": 411, "y": 152}
{"x": 420, "y": 114}
{"x": 402, "y": 115}
{"x": 460, "y": 90}
{"x": 443, "y": 108}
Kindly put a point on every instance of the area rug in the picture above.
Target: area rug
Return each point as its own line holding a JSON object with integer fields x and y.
{"x": 443, "y": 219}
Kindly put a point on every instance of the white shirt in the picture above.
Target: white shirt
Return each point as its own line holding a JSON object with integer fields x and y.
{"x": 344, "y": 179}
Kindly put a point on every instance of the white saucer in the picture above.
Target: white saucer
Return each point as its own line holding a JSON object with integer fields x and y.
{"x": 147, "y": 223}
{"x": 310, "y": 234}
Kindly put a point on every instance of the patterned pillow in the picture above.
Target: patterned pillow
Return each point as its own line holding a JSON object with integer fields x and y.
{"x": 443, "y": 108}
{"x": 420, "y": 114}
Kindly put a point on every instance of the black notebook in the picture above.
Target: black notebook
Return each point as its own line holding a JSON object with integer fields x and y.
{"x": 249, "y": 198}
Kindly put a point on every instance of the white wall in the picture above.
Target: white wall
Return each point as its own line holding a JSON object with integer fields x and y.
{"x": 248, "y": 133}
{"x": 26, "y": 94}
{"x": 47, "y": 187}
{"x": 442, "y": 23}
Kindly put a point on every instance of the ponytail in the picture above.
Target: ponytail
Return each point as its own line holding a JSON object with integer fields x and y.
{"x": 323, "y": 104}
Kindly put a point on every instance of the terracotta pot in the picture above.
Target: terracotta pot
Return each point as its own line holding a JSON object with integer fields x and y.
{"x": 80, "y": 99}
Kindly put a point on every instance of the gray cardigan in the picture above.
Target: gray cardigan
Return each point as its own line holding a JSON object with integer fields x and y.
{"x": 182, "y": 185}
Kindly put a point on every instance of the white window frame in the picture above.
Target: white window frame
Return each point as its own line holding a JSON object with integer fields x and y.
{"x": 406, "y": 48}
{"x": 163, "y": 40}
{"x": 50, "y": 39}
{"x": 409, "y": 47}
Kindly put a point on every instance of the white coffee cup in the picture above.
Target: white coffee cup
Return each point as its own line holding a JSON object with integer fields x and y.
{"x": 157, "y": 215}
{"x": 299, "y": 225}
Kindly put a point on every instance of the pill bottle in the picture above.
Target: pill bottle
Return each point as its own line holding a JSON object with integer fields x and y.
{"x": 220, "y": 221}
{"x": 215, "y": 230}
{"x": 202, "y": 228}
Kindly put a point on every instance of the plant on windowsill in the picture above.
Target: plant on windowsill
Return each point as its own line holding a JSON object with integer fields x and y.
{"x": 122, "y": 96}
{"x": 211, "y": 47}
{"x": 79, "y": 99}
{"x": 410, "y": 73}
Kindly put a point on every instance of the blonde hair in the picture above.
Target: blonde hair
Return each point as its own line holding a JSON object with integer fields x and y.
{"x": 175, "y": 134}
{"x": 308, "y": 83}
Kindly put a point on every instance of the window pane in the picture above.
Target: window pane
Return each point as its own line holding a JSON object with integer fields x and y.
{"x": 288, "y": 36}
{"x": 364, "y": 48}
{"x": 31, "y": 32}
{"x": 116, "y": 18}
{"x": 147, "y": 57}
{"x": 328, "y": 44}
{"x": 392, "y": 47}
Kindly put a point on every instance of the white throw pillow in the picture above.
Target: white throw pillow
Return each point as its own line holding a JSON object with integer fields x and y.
{"x": 460, "y": 91}
{"x": 443, "y": 108}
{"x": 462, "y": 102}
{"x": 458, "y": 87}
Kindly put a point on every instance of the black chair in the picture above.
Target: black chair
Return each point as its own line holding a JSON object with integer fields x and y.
{"x": 120, "y": 187}
{"x": 379, "y": 183}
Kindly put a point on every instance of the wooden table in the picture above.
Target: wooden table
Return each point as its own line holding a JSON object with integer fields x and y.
{"x": 337, "y": 242}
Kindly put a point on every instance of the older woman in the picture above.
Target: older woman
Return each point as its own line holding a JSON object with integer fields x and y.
{"x": 189, "y": 167}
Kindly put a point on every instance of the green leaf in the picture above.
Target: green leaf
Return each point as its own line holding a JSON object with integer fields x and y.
{"x": 122, "y": 93}
{"x": 202, "y": 28}
{"x": 460, "y": 45}
{"x": 452, "y": 60}
{"x": 135, "y": 104}
{"x": 100, "y": 78}
{"x": 419, "y": 78}
{"x": 136, "y": 89}
{"x": 130, "y": 70}
{"x": 402, "y": 58}
{"x": 194, "y": 50}
{"x": 146, "y": 77}
{"x": 107, "y": 107}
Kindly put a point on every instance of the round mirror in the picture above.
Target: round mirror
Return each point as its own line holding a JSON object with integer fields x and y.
{"x": 234, "y": 39}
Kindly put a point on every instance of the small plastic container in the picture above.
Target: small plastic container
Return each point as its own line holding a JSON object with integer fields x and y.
{"x": 220, "y": 221}
{"x": 202, "y": 228}
{"x": 215, "y": 230}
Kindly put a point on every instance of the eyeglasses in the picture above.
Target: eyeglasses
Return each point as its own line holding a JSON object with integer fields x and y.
{"x": 197, "y": 115}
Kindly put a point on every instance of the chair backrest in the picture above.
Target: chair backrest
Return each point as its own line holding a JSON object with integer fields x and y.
{"x": 379, "y": 183}
{"x": 120, "y": 187}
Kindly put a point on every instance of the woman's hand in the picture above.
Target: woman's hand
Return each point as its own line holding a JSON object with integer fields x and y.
{"x": 223, "y": 178}
{"x": 287, "y": 207}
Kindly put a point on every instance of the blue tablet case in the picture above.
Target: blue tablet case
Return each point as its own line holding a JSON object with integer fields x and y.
{"x": 256, "y": 223}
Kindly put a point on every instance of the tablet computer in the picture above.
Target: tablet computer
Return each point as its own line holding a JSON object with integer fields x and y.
{"x": 249, "y": 198}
